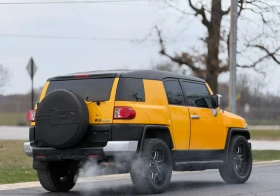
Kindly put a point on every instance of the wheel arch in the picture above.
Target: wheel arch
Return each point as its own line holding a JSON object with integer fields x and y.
{"x": 157, "y": 131}
{"x": 230, "y": 134}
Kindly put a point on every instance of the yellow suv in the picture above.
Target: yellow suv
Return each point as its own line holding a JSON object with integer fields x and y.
{"x": 155, "y": 122}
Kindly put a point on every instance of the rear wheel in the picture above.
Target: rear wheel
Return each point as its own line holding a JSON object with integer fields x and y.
{"x": 239, "y": 166}
{"x": 58, "y": 176}
{"x": 151, "y": 171}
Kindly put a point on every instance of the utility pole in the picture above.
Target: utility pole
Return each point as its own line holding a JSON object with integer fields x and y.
{"x": 232, "y": 56}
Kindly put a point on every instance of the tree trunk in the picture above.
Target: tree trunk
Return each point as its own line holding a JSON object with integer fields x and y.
{"x": 213, "y": 44}
{"x": 212, "y": 81}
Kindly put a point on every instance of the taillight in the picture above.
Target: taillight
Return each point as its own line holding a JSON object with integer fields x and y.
{"x": 122, "y": 112}
{"x": 31, "y": 115}
{"x": 81, "y": 76}
{"x": 93, "y": 156}
{"x": 40, "y": 157}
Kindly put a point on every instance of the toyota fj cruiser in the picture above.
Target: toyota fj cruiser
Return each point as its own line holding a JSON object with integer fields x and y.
{"x": 157, "y": 121}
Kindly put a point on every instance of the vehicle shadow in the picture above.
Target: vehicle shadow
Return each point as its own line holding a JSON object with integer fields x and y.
{"x": 193, "y": 185}
{"x": 175, "y": 186}
{"x": 121, "y": 190}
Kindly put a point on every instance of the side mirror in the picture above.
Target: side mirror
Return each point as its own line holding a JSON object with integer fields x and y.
{"x": 216, "y": 100}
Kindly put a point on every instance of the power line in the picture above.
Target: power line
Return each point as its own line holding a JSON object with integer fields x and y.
{"x": 71, "y": 2}
{"x": 167, "y": 39}
{"x": 64, "y": 37}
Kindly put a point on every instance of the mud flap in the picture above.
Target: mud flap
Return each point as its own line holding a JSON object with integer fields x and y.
{"x": 40, "y": 165}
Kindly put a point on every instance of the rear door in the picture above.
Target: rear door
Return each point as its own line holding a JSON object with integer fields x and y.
{"x": 179, "y": 114}
{"x": 98, "y": 93}
{"x": 207, "y": 129}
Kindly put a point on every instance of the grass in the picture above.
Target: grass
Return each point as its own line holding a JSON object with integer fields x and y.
{"x": 16, "y": 167}
{"x": 265, "y": 134}
{"x": 266, "y": 155}
{"x": 13, "y": 119}
{"x": 263, "y": 122}
{"x": 17, "y": 175}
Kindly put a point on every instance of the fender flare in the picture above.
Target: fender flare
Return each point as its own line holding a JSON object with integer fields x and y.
{"x": 232, "y": 132}
{"x": 160, "y": 128}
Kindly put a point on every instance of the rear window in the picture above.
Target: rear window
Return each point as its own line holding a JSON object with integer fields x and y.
{"x": 130, "y": 89}
{"x": 98, "y": 89}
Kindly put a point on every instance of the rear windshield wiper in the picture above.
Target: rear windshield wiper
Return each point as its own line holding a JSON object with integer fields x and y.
{"x": 94, "y": 101}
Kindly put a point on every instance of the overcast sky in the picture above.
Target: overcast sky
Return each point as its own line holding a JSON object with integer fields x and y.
{"x": 124, "y": 21}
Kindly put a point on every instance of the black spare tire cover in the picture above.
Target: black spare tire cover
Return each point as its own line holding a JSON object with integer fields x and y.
{"x": 61, "y": 119}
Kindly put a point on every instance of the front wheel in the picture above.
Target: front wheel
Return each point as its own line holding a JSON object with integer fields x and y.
{"x": 239, "y": 165}
{"x": 152, "y": 170}
{"x": 58, "y": 176}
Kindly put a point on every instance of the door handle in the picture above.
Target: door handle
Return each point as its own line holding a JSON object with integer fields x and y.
{"x": 195, "y": 116}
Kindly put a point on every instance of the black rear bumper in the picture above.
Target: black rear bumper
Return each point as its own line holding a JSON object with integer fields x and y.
{"x": 112, "y": 149}
{"x": 45, "y": 154}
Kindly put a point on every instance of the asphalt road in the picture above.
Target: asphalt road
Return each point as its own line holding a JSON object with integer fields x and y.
{"x": 264, "y": 181}
{"x": 14, "y": 133}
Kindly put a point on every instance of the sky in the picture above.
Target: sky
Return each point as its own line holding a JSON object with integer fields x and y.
{"x": 96, "y": 36}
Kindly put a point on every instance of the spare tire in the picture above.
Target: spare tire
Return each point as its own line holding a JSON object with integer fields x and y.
{"x": 61, "y": 120}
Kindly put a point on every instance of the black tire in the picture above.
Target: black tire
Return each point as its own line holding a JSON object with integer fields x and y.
{"x": 58, "y": 177}
{"x": 239, "y": 166}
{"x": 152, "y": 170}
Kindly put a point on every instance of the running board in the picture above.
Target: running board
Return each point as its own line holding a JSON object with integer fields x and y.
{"x": 197, "y": 165}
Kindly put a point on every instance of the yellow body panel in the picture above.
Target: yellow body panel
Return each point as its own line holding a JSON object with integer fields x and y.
{"x": 44, "y": 90}
{"x": 153, "y": 111}
{"x": 209, "y": 89}
{"x": 232, "y": 120}
{"x": 207, "y": 132}
{"x": 180, "y": 126}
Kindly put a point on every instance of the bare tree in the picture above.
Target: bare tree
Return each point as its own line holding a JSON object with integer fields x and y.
{"x": 254, "y": 49}
{"x": 4, "y": 76}
{"x": 262, "y": 106}
{"x": 169, "y": 66}
{"x": 163, "y": 67}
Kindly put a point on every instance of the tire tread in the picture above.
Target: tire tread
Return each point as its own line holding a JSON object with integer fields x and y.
{"x": 47, "y": 179}
{"x": 140, "y": 183}
{"x": 227, "y": 172}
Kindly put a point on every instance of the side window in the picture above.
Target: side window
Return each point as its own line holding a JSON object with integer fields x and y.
{"x": 130, "y": 89}
{"x": 173, "y": 92}
{"x": 197, "y": 95}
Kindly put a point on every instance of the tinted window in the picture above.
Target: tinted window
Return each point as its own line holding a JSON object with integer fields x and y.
{"x": 91, "y": 89}
{"x": 173, "y": 92}
{"x": 197, "y": 94}
{"x": 130, "y": 89}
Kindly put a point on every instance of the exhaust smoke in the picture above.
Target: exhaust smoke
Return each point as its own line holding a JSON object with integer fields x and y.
{"x": 119, "y": 164}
